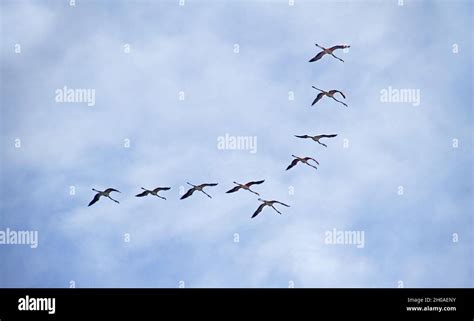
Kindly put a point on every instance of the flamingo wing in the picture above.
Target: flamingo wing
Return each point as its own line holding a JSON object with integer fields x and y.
{"x": 338, "y": 47}
{"x": 327, "y": 136}
{"x": 144, "y": 193}
{"x": 310, "y": 158}
{"x": 318, "y": 56}
{"x": 259, "y": 209}
{"x": 108, "y": 190}
{"x": 188, "y": 193}
{"x": 235, "y": 189}
{"x": 302, "y": 136}
{"x": 161, "y": 189}
{"x": 209, "y": 184}
{"x": 318, "y": 98}
{"x": 255, "y": 182}
{"x": 293, "y": 163}
{"x": 95, "y": 199}
{"x": 337, "y": 91}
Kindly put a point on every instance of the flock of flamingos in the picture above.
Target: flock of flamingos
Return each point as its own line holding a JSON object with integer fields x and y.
{"x": 246, "y": 186}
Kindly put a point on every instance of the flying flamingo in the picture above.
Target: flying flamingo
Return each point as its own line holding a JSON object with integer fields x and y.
{"x": 304, "y": 160}
{"x": 105, "y": 193}
{"x": 245, "y": 186}
{"x": 328, "y": 51}
{"x": 153, "y": 192}
{"x": 330, "y": 94}
{"x": 197, "y": 188}
{"x": 268, "y": 203}
{"x": 317, "y": 138}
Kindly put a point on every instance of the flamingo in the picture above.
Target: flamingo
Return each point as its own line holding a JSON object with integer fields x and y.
{"x": 330, "y": 94}
{"x": 328, "y": 51}
{"x": 317, "y": 138}
{"x": 268, "y": 203}
{"x": 245, "y": 186}
{"x": 153, "y": 192}
{"x": 304, "y": 160}
{"x": 197, "y": 188}
{"x": 105, "y": 193}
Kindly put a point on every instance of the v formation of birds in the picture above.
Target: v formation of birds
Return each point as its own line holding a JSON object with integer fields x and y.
{"x": 309, "y": 161}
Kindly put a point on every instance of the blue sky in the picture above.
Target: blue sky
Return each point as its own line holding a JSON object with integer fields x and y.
{"x": 190, "y": 48}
